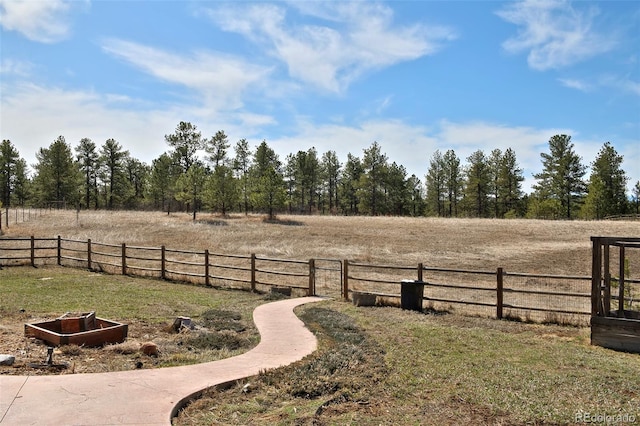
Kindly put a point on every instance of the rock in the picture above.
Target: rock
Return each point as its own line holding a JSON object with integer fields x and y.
{"x": 149, "y": 349}
{"x": 7, "y": 359}
{"x": 182, "y": 323}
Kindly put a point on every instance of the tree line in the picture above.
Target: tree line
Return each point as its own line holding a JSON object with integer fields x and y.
{"x": 199, "y": 173}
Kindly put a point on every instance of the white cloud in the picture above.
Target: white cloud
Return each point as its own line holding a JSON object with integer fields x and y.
{"x": 407, "y": 145}
{"x": 554, "y": 32}
{"x": 34, "y": 116}
{"x": 623, "y": 84}
{"x": 575, "y": 84}
{"x": 219, "y": 79}
{"x": 16, "y": 68}
{"x": 41, "y": 21}
{"x": 354, "y": 38}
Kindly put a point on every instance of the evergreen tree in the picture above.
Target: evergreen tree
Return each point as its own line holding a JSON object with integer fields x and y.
{"x": 217, "y": 148}
{"x": 416, "y": 196}
{"x": 510, "y": 180}
{"x": 241, "y": 166}
{"x": 221, "y": 190}
{"x": 635, "y": 198}
{"x": 494, "y": 163}
{"x": 112, "y": 160}
{"x": 561, "y": 177}
{"x": 9, "y": 160}
{"x": 161, "y": 180}
{"x": 186, "y": 140}
{"x": 396, "y": 190}
{"x": 137, "y": 174}
{"x": 268, "y": 188}
{"x": 89, "y": 162}
{"x": 371, "y": 184}
{"x": 607, "y": 185}
{"x": 190, "y": 187}
{"x": 22, "y": 186}
{"x": 350, "y": 177}
{"x": 57, "y": 177}
{"x": 453, "y": 182}
{"x": 304, "y": 179}
{"x": 331, "y": 167}
{"x": 476, "y": 196}
{"x": 436, "y": 185}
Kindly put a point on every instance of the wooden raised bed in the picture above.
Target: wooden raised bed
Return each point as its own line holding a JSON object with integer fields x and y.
{"x": 82, "y": 330}
{"x": 616, "y": 333}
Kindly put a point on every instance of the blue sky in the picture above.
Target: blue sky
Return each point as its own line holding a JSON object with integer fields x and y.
{"x": 415, "y": 76}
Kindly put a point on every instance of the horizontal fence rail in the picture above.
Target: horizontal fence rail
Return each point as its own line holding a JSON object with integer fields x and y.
{"x": 199, "y": 267}
{"x": 496, "y": 293}
{"x": 529, "y": 297}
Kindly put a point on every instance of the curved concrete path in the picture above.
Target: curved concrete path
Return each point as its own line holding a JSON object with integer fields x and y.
{"x": 148, "y": 397}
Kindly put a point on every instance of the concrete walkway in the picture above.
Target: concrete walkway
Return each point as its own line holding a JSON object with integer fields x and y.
{"x": 149, "y": 397}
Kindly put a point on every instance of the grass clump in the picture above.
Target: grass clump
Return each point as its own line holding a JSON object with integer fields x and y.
{"x": 341, "y": 377}
{"x": 216, "y": 340}
{"x": 220, "y": 319}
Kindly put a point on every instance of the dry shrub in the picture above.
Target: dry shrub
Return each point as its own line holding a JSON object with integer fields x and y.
{"x": 125, "y": 348}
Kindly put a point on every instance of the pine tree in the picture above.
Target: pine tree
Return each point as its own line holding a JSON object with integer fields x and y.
{"x": 371, "y": 184}
{"x": 349, "y": 181}
{"x": 112, "y": 160}
{"x": 453, "y": 182}
{"x": 89, "y": 162}
{"x": 607, "y": 185}
{"x": 561, "y": 177}
{"x": 436, "y": 185}
{"x": 477, "y": 185}
{"x": 57, "y": 176}
{"x": 331, "y": 167}
{"x": 9, "y": 159}
{"x": 241, "y": 166}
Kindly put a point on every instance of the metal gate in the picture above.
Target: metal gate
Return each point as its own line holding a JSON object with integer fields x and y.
{"x": 328, "y": 277}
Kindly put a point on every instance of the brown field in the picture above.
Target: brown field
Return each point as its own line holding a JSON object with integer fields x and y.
{"x": 525, "y": 246}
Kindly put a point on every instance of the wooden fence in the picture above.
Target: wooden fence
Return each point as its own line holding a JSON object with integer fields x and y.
{"x": 496, "y": 293}
{"x": 249, "y": 272}
{"x": 10, "y": 216}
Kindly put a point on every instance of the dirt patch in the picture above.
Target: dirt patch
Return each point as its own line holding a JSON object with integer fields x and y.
{"x": 216, "y": 334}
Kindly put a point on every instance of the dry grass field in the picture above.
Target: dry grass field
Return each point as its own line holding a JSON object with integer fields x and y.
{"x": 527, "y": 246}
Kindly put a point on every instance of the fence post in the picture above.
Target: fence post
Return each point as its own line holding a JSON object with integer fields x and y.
{"x": 89, "y": 253}
{"x": 605, "y": 302}
{"x": 124, "y": 259}
{"x": 345, "y": 280}
{"x": 621, "y": 283}
{"x": 500, "y": 293}
{"x": 6, "y": 217}
{"x": 59, "y": 250}
{"x": 312, "y": 277}
{"x": 33, "y": 251}
{"x": 420, "y": 269}
{"x": 596, "y": 276}
{"x": 253, "y": 272}
{"x": 163, "y": 262}
{"x": 206, "y": 268}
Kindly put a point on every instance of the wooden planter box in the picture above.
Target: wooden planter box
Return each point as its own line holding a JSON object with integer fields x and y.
{"x": 82, "y": 330}
{"x": 616, "y": 333}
